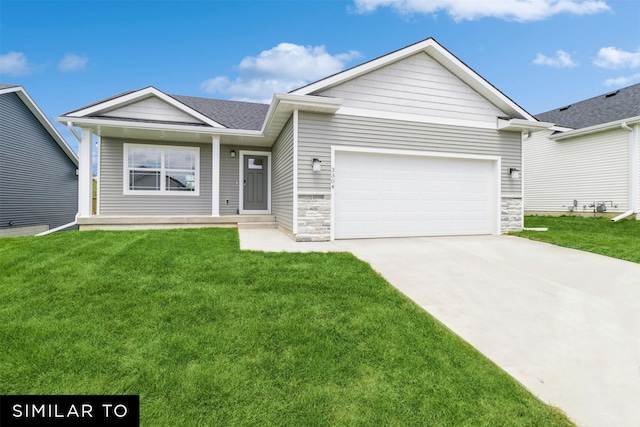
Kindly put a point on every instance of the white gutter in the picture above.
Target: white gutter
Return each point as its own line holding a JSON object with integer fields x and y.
{"x": 633, "y": 173}
{"x": 596, "y": 128}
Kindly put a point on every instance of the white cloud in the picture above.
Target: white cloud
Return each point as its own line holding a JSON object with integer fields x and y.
{"x": 14, "y": 64}
{"x": 623, "y": 81}
{"x": 512, "y": 10}
{"x": 72, "y": 62}
{"x": 611, "y": 57}
{"x": 280, "y": 69}
{"x": 561, "y": 60}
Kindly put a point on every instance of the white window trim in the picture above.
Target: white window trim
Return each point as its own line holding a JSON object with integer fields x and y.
{"x": 163, "y": 192}
{"x": 241, "y": 155}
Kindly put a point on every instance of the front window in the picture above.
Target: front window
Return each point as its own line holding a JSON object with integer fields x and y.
{"x": 151, "y": 169}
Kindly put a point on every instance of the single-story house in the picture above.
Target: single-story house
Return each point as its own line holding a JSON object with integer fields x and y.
{"x": 588, "y": 162}
{"x": 413, "y": 143}
{"x": 38, "y": 169}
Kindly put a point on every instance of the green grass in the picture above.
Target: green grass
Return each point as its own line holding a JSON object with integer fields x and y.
{"x": 208, "y": 335}
{"x": 598, "y": 235}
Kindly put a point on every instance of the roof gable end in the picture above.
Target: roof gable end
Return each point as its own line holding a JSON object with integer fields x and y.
{"x": 40, "y": 116}
{"x": 440, "y": 55}
{"x": 148, "y": 104}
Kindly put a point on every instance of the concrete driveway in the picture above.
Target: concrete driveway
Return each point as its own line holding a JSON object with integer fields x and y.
{"x": 564, "y": 323}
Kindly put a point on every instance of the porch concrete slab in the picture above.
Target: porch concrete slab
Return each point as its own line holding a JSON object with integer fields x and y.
{"x": 564, "y": 323}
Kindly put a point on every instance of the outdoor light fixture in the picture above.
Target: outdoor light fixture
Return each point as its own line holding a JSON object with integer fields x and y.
{"x": 233, "y": 153}
{"x": 317, "y": 167}
{"x": 514, "y": 173}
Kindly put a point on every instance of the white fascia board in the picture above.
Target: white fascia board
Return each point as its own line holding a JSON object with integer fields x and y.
{"x": 521, "y": 124}
{"x": 37, "y": 112}
{"x": 594, "y": 129}
{"x": 138, "y": 96}
{"x": 439, "y": 54}
{"x": 308, "y": 102}
{"x": 96, "y": 123}
{"x": 301, "y": 103}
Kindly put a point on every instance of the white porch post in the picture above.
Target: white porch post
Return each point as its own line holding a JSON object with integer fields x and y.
{"x": 85, "y": 151}
{"x": 215, "y": 176}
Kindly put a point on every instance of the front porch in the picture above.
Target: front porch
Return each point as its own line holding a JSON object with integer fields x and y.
{"x": 146, "y": 222}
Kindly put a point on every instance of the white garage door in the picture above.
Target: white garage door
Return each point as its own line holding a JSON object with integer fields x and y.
{"x": 383, "y": 195}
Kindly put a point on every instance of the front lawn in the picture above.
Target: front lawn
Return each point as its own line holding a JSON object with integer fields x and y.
{"x": 598, "y": 235}
{"x": 208, "y": 335}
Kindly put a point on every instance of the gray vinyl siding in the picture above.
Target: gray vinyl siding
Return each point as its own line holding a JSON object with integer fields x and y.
{"x": 113, "y": 201}
{"x": 38, "y": 182}
{"x": 417, "y": 85}
{"x": 229, "y": 178}
{"x": 588, "y": 169}
{"x": 282, "y": 178}
{"x": 317, "y": 133}
{"x": 152, "y": 109}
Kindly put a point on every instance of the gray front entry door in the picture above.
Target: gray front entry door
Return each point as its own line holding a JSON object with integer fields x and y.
{"x": 255, "y": 191}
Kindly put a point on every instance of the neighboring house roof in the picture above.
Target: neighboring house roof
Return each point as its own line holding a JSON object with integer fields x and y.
{"x": 40, "y": 116}
{"x": 610, "y": 107}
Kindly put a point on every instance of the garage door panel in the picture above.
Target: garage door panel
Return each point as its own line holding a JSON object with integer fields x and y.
{"x": 379, "y": 195}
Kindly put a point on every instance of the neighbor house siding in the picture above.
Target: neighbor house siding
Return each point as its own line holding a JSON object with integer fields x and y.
{"x": 317, "y": 133}
{"x": 590, "y": 168}
{"x": 230, "y": 176}
{"x": 38, "y": 182}
{"x": 417, "y": 85}
{"x": 152, "y": 109}
{"x": 282, "y": 178}
{"x": 114, "y": 202}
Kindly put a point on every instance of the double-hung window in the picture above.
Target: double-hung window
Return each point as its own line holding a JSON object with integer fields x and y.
{"x": 154, "y": 169}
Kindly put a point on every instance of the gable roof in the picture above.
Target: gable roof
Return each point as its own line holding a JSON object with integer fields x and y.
{"x": 440, "y": 54}
{"x": 40, "y": 116}
{"x": 610, "y": 107}
{"x": 221, "y": 113}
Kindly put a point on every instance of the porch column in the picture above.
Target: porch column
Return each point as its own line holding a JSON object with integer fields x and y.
{"x": 85, "y": 151}
{"x": 215, "y": 176}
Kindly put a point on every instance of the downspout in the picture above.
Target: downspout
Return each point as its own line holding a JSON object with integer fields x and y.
{"x": 72, "y": 223}
{"x": 633, "y": 177}
{"x": 62, "y": 227}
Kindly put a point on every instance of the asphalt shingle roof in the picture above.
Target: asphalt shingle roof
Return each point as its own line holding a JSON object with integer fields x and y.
{"x": 617, "y": 105}
{"x": 231, "y": 114}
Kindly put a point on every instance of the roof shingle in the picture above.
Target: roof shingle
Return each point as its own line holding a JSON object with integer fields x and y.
{"x": 617, "y": 105}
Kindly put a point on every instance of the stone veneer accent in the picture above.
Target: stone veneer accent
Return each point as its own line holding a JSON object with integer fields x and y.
{"x": 511, "y": 214}
{"x": 314, "y": 218}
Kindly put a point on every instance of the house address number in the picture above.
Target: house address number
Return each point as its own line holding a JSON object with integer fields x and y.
{"x": 333, "y": 178}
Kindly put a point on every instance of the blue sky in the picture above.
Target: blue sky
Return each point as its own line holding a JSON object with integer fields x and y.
{"x": 543, "y": 54}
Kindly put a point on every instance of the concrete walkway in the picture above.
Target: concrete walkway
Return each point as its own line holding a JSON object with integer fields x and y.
{"x": 564, "y": 323}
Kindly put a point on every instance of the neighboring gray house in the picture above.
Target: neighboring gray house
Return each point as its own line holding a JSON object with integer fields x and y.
{"x": 588, "y": 162}
{"x": 413, "y": 143}
{"x": 38, "y": 181}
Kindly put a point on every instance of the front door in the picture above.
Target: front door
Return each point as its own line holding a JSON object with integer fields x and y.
{"x": 255, "y": 187}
